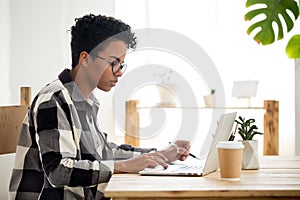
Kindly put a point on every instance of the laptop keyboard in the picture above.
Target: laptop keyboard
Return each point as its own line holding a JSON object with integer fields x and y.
{"x": 186, "y": 168}
{"x": 176, "y": 169}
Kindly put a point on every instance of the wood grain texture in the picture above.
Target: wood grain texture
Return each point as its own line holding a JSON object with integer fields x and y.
{"x": 271, "y": 120}
{"x": 11, "y": 118}
{"x": 132, "y": 121}
{"x": 272, "y": 181}
{"x": 25, "y": 98}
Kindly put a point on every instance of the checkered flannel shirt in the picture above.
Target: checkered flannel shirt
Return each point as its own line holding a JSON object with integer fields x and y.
{"x": 55, "y": 158}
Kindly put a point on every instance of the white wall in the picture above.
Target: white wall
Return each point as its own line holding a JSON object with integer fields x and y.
{"x": 219, "y": 27}
{"x": 35, "y": 44}
{"x": 35, "y": 47}
{"x": 297, "y": 106}
{"x": 4, "y": 51}
{"x": 40, "y": 41}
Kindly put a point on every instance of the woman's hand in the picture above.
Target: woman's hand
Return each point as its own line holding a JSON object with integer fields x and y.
{"x": 136, "y": 164}
{"x": 177, "y": 151}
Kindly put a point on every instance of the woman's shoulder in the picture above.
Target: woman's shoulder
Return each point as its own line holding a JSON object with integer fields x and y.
{"x": 52, "y": 87}
{"x": 53, "y": 91}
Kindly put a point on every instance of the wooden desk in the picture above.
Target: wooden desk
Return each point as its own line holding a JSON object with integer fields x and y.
{"x": 277, "y": 178}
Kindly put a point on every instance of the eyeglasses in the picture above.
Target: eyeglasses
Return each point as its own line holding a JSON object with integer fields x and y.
{"x": 116, "y": 66}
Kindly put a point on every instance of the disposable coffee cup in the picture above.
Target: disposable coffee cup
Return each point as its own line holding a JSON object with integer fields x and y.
{"x": 230, "y": 154}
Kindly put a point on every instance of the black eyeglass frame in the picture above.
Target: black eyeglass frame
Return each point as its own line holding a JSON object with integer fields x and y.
{"x": 122, "y": 66}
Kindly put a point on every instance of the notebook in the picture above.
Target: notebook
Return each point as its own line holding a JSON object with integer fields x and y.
{"x": 200, "y": 167}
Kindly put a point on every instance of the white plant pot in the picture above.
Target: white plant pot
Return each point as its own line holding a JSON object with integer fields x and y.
{"x": 250, "y": 154}
{"x": 168, "y": 94}
{"x": 209, "y": 100}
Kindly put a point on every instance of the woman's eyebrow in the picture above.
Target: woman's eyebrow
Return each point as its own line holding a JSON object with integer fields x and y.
{"x": 116, "y": 58}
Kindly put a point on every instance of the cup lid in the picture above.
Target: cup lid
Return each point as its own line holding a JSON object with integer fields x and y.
{"x": 230, "y": 145}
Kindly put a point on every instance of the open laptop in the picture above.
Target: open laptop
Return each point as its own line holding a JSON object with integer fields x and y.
{"x": 200, "y": 167}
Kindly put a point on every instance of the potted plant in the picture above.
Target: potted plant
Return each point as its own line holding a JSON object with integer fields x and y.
{"x": 167, "y": 88}
{"x": 209, "y": 100}
{"x": 247, "y": 130}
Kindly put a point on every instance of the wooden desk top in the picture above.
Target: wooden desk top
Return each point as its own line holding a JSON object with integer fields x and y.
{"x": 277, "y": 177}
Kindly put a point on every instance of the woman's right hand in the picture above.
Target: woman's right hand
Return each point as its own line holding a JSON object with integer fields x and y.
{"x": 136, "y": 164}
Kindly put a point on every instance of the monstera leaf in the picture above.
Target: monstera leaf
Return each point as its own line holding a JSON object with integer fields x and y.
{"x": 271, "y": 9}
{"x": 293, "y": 47}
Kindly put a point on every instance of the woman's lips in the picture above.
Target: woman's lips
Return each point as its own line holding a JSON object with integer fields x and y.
{"x": 114, "y": 83}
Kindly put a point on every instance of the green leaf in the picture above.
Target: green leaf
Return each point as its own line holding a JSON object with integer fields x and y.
{"x": 255, "y": 133}
{"x": 293, "y": 47}
{"x": 241, "y": 119}
{"x": 271, "y": 9}
{"x": 242, "y": 135}
{"x": 246, "y": 128}
{"x": 250, "y": 121}
{"x": 238, "y": 122}
{"x": 253, "y": 127}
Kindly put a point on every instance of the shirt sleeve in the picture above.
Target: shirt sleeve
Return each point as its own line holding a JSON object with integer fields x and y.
{"x": 109, "y": 164}
{"x": 126, "y": 151}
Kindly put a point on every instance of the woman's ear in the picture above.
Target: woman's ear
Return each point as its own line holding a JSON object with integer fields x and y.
{"x": 83, "y": 58}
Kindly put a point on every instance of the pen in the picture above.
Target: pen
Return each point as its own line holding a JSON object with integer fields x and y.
{"x": 232, "y": 135}
{"x": 190, "y": 154}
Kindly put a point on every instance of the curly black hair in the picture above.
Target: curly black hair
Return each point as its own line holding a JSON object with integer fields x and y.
{"x": 91, "y": 30}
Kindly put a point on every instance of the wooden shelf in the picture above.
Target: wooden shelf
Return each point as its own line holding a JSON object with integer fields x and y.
{"x": 187, "y": 107}
{"x": 271, "y": 120}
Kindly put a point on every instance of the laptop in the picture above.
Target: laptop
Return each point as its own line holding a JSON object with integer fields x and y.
{"x": 206, "y": 165}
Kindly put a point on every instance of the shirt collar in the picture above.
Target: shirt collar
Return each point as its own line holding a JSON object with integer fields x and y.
{"x": 65, "y": 76}
{"x": 74, "y": 91}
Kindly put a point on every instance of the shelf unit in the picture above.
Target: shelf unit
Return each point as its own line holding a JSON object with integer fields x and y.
{"x": 271, "y": 120}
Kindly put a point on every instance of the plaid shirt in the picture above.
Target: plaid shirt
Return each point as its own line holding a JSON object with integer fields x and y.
{"x": 61, "y": 153}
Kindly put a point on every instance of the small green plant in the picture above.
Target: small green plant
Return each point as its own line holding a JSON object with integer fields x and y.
{"x": 212, "y": 91}
{"x": 247, "y": 128}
